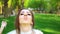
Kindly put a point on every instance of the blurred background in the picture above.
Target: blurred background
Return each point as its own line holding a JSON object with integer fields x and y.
{"x": 46, "y": 14}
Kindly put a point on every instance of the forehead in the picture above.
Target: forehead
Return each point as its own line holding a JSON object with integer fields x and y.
{"x": 25, "y": 10}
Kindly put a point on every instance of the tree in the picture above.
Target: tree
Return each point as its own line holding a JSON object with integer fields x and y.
{"x": 5, "y": 8}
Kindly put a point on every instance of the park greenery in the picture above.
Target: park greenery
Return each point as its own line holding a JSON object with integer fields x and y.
{"x": 46, "y": 14}
{"x": 47, "y": 23}
{"x": 40, "y": 6}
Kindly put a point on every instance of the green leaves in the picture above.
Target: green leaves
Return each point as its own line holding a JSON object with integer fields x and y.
{"x": 46, "y": 5}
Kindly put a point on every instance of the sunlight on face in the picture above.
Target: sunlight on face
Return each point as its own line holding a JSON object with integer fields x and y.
{"x": 25, "y": 17}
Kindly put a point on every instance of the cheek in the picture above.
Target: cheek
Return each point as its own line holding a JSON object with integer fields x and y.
{"x": 30, "y": 18}
{"x": 20, "y": 18}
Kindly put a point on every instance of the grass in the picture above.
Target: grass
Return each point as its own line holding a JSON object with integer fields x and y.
{"x": 47, "y": 23}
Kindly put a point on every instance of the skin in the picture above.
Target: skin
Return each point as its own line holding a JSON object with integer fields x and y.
{"x": 3, "y": 25}
{"x": 25, "y": 20}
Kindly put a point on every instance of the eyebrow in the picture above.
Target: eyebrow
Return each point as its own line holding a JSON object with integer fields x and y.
{"x": 23, "y": 12}
{"x": 28, "y": 12}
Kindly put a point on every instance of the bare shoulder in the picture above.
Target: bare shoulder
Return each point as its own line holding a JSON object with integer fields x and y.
{"x": 12, "y": 32}
{"x": 38, "y": 31}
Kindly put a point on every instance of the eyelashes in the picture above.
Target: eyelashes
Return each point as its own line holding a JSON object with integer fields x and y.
{"x": 27, "y": 14}
{"x": 21, "y": 14}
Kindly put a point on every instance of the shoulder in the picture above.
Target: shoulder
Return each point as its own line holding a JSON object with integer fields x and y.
{"x": 38, "y": 31}
{"x": 12, "y": 32}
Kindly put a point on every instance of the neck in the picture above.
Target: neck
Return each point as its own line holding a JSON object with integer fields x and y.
{"x": 25, "y": 28}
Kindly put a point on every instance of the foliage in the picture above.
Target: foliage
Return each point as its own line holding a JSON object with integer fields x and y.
{"x": 47, "y": 23}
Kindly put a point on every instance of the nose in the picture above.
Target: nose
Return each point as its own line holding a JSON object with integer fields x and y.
{"x": 25, "y": 14}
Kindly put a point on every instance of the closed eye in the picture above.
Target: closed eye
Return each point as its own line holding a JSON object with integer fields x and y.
{"x": 29, "y": 14}
{"x": 21, "y": 14}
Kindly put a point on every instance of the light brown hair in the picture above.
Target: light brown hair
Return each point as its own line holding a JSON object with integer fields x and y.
{"x": 17, "y": 21}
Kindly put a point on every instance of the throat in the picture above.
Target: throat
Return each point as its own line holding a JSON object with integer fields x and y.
{"x": 25, "y": 28}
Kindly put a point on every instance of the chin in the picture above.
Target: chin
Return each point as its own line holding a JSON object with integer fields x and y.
{"x": 25, "y": 21}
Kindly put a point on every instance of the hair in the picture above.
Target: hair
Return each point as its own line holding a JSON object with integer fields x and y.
{"x": 17, "y": 25}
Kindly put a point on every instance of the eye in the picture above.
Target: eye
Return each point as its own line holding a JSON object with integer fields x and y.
{"x": 21, "y": 14}
{"x": 29, "y": 14}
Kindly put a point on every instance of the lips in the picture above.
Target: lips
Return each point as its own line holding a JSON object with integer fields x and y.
{"x": 25, "y": 18}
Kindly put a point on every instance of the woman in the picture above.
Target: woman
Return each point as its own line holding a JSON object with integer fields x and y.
{"x": 25, "y": 23}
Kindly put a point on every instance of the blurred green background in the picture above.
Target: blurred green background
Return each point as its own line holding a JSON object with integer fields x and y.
{"x": 46, "y": 14}
{"x": 47, "y": 23}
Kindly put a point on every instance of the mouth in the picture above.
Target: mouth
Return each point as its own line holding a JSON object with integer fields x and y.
{"x": 25, "y": 18}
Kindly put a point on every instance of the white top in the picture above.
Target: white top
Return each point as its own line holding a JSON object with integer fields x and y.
{"x": 35, "y": 30}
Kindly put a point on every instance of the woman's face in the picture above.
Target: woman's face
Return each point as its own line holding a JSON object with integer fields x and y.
{"x": 25, "y": 17}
